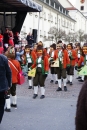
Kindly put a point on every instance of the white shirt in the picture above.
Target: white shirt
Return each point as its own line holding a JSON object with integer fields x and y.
{"x": 52, "y": 54}
{"x": 39, "y": 61}
{"x": 28, "y": 58}
{"x": 78, "y": 53}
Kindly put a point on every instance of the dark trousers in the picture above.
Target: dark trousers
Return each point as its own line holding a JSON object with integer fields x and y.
{"x": 61, "y": 73}
{"x": 29, "y": 65}
{"x": 2, "y": 104}
{"x": 39, "y": 78}
{"x": 12, "y": 90}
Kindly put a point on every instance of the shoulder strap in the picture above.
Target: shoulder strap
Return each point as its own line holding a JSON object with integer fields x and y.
{"x": 13, "y": 65}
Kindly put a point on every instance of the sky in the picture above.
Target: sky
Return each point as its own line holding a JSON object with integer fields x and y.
{"x": 72, "y": 1}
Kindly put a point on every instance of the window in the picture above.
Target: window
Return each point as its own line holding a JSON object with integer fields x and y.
{"x": 82, "y": 8}
{"x": 47, "y": 1}
{"x": 52, "y": 3}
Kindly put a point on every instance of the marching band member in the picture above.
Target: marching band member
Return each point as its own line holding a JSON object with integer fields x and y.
{"x": 79, "y": 54}
{"x": 28, "y": 58}
{"x": 62, "y": 56}
{"x": 53, "y": 69}
{"x": 72, "y": 56}
{"x": 83, "y": 58}
{"x": 42, "y": 68}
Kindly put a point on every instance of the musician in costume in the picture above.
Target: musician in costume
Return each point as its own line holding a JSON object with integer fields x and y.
{"x": 42, "y": 68}
{"x": 72, "y": 56}
{"x": 28, "y": 59}
{"x": 52, "y": 69}
{"x": 62, "y": 56}
{"x": 79, "y": 54}
{"x": 83, "y": 58}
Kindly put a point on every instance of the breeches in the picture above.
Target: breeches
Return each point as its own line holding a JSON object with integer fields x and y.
{"x": 39, "y": 78}
{"x": 61, "y": 73}
{"x": 29, "y": 65}
{"x": 12, "y": 90}
{"x": 71, "y": 70}
{"x": 53, "y": 70}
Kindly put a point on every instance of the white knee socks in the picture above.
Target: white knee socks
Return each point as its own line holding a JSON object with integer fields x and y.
{"x": 30, "y": 82}
{"x": 42, "y": 91}
{"x": 59, "y": 82}
{"x": 8, "y": 103}
{"x": 35, "y": 89}
{"x": 64, "y": 82}
{"x": 14, "y": 100}
{"x": 71, "y": 77}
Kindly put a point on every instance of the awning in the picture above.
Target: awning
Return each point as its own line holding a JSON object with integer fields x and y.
{"x": 19, "y": 5}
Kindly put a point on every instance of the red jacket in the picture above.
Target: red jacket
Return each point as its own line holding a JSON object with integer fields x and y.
{"x": 66, "y": 60}
{"x": 14, "y": 71}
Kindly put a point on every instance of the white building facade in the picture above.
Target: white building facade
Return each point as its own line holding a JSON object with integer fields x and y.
{"x": 53, "y": 15}
{"x": 78, "y": 13}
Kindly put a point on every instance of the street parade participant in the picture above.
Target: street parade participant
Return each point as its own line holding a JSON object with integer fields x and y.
{"x": 62, "y": 56}
{"x": 52, "y": 69}
{"x": 28, "y": 59}
{"x": 72, "y": 56}
{"x": 15, "y": 69}
{"x": 42, "y": 67}
{"x": 83, "y": 58}
{"x": 79, "y": 54}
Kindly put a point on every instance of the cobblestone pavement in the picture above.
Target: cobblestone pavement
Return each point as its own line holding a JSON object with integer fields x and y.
{"x": 55, "y": 112}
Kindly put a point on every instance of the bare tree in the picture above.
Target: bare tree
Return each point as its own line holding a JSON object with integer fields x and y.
{"x": 85, "y": 38}
{"x": 80, "y": 35}
{"x": 56, "y": 34}
{"x": 70, "y": 37}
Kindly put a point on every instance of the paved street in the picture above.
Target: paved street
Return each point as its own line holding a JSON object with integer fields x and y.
{"x": 55, "y": 112}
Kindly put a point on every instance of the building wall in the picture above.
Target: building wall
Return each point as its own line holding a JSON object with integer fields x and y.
{"x": 81, "y": 21}
{"x": 49, "y": 17}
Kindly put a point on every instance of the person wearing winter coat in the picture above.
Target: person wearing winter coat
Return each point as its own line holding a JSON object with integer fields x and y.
{"x": 5, "y": 82}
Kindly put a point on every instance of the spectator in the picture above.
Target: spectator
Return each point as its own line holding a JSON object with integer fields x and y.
{"x": 30, "y": 40}
{"x": 5, "y": 82}
{"x": 6, "y": 39}
{"x": 14, "y": 65}
{"x": 81, "y": 112}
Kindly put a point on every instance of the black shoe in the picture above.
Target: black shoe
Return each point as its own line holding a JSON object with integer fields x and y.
{"x": 30, "y": 87}
{"x": 7, "y": 110}
{"x": 56, "y": 82}
{"x": 81, "y": 80}
{"x": 34, "y": 96}
{"x": 51, "y": 81}
{"x": 59, "y": 89}
{"x": 42, "y": 96}
{"x": 68, "y": 82}
{"x": 14, "y": 105}
{"x": 71, "y": 83}
{"x": 78, "y": 77}
{"x": 65, "y": 88}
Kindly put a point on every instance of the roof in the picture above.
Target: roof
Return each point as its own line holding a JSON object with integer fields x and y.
{"x": 19, "y": 5}
{"x": 71, "y": 8}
